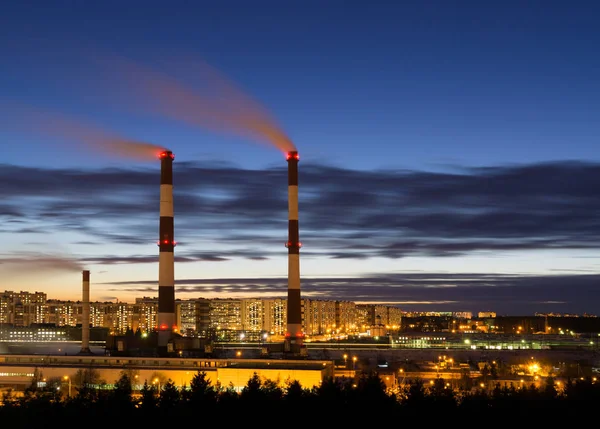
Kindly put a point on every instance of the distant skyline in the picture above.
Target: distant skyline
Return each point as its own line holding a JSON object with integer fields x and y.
{"x": 448, "y": 152}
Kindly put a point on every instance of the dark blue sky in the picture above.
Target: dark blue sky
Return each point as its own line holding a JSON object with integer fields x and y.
{"x": 366, "y": 84}
{"x": 422, "y": 93}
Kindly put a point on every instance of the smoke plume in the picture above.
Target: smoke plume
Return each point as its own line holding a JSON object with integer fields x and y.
{"x": 82, "y": 134}
{"x": 32, "y": 263}
{"x": 212, "y": 101}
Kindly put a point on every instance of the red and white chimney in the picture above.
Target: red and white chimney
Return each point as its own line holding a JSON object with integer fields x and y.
{"x": 85, "y": 314}
{"x": 166, "y": 259}
{"x": 294, "y": 334}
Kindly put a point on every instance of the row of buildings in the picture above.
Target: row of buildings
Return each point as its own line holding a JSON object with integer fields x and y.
{"x": 202, "y": 317}
{"x": 253, "y": 319}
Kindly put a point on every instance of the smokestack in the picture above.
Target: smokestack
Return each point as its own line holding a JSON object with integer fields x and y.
{"x": 85, "y": 314}
{"x": 166, "y": 260}
{"x": 294, "y": 312}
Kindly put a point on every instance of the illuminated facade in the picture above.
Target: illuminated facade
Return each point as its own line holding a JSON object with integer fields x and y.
{"x": 97, "y": 314}
{"x": 5, "y": 305}
{"x": 62, "y": 313}
{"x": 252, "y": 315}
{"x": 186, "y": 316}
{"x": 319, "y": 318}
{"x": 483, "y": 314}
{"x": 226, "y": 314}
{"x": 250, "y": 319}
{"x": 365, "y": 317}
{"x": 275, "y": 316}
{"x": 345, "y": 316}
{"x": 145, "y": 314}
{"x": 22, "y": 308}
{"x": 120, "y": 319}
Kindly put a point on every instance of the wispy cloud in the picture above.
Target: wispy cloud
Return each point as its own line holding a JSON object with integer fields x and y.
{"x": 386, "y": 214}
{"x": 32, "y": 264}
{"x": 502, "y": 293}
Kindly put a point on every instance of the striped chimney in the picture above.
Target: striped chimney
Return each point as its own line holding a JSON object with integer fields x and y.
{"x": 85, "y": 314}
{"x": 294, "y": 311}
{"x": 166, "y": 260}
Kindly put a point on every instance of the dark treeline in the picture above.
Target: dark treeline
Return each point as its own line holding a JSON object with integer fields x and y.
{"x": 261, "y": 401}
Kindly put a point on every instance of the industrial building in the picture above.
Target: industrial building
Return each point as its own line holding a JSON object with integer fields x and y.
{"x": 20, "y": 371}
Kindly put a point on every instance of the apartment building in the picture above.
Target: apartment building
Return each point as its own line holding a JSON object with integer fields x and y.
{"x": 227, "y": 319}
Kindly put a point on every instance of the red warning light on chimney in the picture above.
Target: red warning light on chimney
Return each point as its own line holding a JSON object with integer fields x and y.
{"x": 293, "y": 155}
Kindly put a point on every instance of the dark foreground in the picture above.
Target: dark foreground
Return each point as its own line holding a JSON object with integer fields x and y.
{"x": 357, "y": 402}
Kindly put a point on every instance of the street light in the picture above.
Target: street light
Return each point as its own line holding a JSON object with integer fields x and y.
{"x": 67, "y": 378}
{"x": 354, "y": 362}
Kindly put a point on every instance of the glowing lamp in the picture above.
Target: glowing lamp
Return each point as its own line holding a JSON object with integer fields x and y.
{"x": 166, "y": 154}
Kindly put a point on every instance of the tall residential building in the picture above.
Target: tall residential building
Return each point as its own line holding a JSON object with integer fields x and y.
{"x": 365, "y": 317}
{"x": 5, "y": 309}
{"x": 225, "y": 315}
{"x": 252, "y": 315}
{"x": 319, "y": 318}
{"x": 345, "y": 317}
{"x": 193, "y": 317}
{"x": 62, "y": 313}
{"x": 275, "y": 316}
{"x": 145, "y": 314}
{"x": 186, "y": 317}
{"x": 98, "y": 312}
{"x": 120, "y": 318}
{"x": 390, "y": 317}
{"x": 22, "y": 308}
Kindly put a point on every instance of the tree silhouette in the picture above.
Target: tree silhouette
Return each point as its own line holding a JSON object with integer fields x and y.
{"x": 148, "y": 400}
{"x": 466, "y": 382}
{"x": 37, "y": 377}
{"x": 494, "y": 371}
{"x": 333, "y": 391}
{"x": 271, "y": 391}
{"x": 295, "y": 394}
{"x": 485, "y": 373}
{"x": 344, "y": 396}
{"x": 550, "y": 392}
{"x": 170, "y": 396}
{"x": 441, "y": 397}
{"x": 121, "y": 394}
{"x": 201, "y": 390}
{"x": 252, "y": 390}
{"x": 370, "y": 387}
{"x": 415, "y": 391}
{"x": 87, "y": 377}
{"x": 228, "y": 396}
